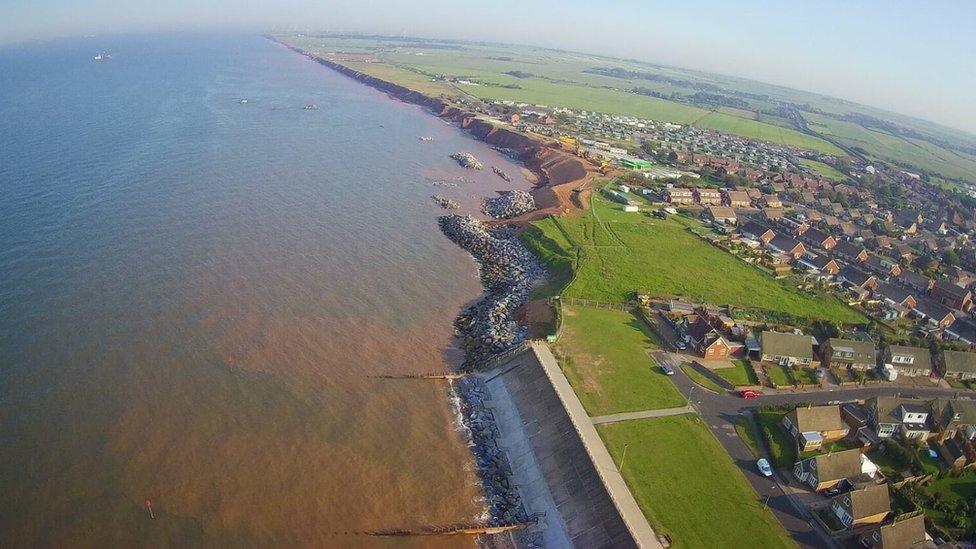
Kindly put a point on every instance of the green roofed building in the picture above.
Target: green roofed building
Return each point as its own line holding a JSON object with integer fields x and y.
{"x": 632, "y": 163}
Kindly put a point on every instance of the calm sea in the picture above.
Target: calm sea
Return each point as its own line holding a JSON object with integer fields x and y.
{"x": 195, "y": 295}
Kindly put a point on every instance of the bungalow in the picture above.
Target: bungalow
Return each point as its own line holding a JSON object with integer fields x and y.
{"x": 786, "y": 245}
{"x": 957, "y": 451}
{"x": 952, "y": 295}
{"x": 958, "y": 364}
{"x": 757, "y": 231}
{"x": 904, "y": 532}
{"x": 843, "y": 353}
{"x": 908, "y": 361}
{"x": 891, "y": 416}
{"x": 721, "y": 214}
{"x": 856, "y": 279}
{"x": 863, "y": 506}
{"x": 679, "y": 195}
{"x": 850, "y": 251}
{"x": 895, "y": 296}
{"x": 903, "y": 252}
{"x": 706, "y": 196}
{"x": 771, "y": 201}
{"x": 825, "y": 470}
{"x": 934, "y": 313}
{"x": 915, "y": 281}
{"x": 736, "y": 199}
{"x": 908, "y": 221}
{"x": 786, "y": 349}
{"x": 812, "y": 426}
{"x": 821, "y": 264}
{"x": 772, "y": 214}
{"x": 818, "y": 238}
{"x": 882, "y": 267}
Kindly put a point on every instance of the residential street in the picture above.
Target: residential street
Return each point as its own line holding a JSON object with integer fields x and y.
{"x": 721, "y": 410}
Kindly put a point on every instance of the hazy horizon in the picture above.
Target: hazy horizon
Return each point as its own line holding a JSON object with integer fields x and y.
{"x": 896, "y": 56}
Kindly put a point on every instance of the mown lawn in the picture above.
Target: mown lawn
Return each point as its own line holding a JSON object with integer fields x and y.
{"x": 782, "y": 449}
{"x": 700, "y": 379}
{"x": 779, "y": 375}
{"x": 687, "y": 485}
{"x": 613, "y": 254}
{"x": 739, "y": 374}
{"x": 749, "y": 434}
{"x": 604, "y": 356}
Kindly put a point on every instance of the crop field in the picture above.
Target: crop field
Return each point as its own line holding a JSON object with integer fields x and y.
{"x": 688, "y": 487}
{"x": 613, "y": 253}
{"x": 604, "y": 356}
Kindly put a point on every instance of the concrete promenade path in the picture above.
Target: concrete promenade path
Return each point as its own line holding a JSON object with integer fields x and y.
{"x": 619, "y": 492}
{"x": 643, "y": 414}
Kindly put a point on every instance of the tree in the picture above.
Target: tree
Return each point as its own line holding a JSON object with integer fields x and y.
{"x": 950, "y": 258}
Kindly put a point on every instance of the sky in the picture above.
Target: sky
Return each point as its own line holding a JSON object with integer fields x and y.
{"x": 915, "y": 58}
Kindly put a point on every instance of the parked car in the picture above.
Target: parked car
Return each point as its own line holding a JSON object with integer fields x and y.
{"x": 667, "y": 370}
{"x": 681, "y": 345}
{"x": 749, "y": 393}
{"x": 764, "y": 467}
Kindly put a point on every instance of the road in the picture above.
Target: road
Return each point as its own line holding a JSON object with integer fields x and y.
{"x": 720, "y": 411}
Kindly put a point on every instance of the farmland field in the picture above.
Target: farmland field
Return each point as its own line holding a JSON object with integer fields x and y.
{"x": 727, "y": 123}
{"x": 604, "y": 356}
{"x": 613, "y": 254}
{"x": 688, "y": 487}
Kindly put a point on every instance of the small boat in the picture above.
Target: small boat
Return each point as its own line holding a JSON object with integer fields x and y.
{"x": 243, "y": 101}
{"x": 425, "y": 139}
{"x": 102, "y": 56}
{"x": 310, "y": 107}
{"x": 501, "y": 174}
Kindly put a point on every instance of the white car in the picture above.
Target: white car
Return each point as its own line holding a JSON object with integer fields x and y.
{"x": 764, "y": 467}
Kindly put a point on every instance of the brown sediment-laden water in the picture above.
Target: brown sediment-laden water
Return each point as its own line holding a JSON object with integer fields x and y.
{"x": 200, "y": 298}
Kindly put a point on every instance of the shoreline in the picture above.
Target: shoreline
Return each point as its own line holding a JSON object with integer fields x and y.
{"x": 489, "y": 327}
{"x": 560, "y": 176}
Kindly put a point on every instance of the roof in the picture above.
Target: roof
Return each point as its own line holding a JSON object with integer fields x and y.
{"x": 846, "y": 248}
{"x": 818, "y": 418}
{"x": 898, "y": 294}
{"x": 780, "y": 344}
{"x": 721, "y": 212}
{"x": 949, "y": 289}
{"x": 932, "y": 309}
{"x": 819, "y": 261}
{"x": 815, "y": 235}
{"x": 754, "y": 228}
{"x": 856, "y": 277}
{"x": 965, "y": 409}
{"x": 737, "y": 196}
{"x": 863, "y": 350}
{"x": 886, "y": 408}
{"x": 783, "y": 242}
{"x": 913, "y": 279}
{"x": 923, "y": 359}
{"x": 838, "y": 465}
{"x": 959, "y": 361}
{"x": 868, "y": 501}
{"x": 903, "y": 533}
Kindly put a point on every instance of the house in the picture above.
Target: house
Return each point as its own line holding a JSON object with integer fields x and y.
{"x": 850, "y": 251}
{"x": 736, "y": 199}
{"x": 957, "y": 451}
{"x": 772, "y": 214}
{"x": 904, "y": 532}
{"x": 856, "y": 279}
{"x": 721, "y": 214}
{"x": 860, "y": 432}
{"x": 706, "y": 196}
{"x": 679, "y": 195}
{"x": 821, "y": 264}
{"x": 862, "y": 506}
{"x": 788, "y": 246}
{"x": 757, "y": 231}
{"x": 908, "y": 361}
{"x": 843, "y": 353}
{"x": 915, "y": 281}
{"x": 812, "y": 426}
{"x": 951, "y": 416}
{"x": 936, "y": 314}
{"x": 825, "y": 470}
{"x": 706, "y": 340}
{"x": 952, "y": 295}
{"x": 786, "y": 349}
{"x": 958, "y": 364}
{"x": 818, "y": 238}
{"x": 890, "y": 416}
{"x": 771, "y": 201}
{"x": 895, "y": 296}
{"x": 882, "y": 267}
{"x": 908, "y": 221}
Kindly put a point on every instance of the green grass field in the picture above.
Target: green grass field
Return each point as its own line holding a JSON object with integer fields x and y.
{"x": 700, "y": 379}
{"x": 782, "y": 450}
{"x": 688, "y": 487}
{"x": 749, "y": 434}
{"x": 604, "y": 356}
{"x": 747, "y": 127}
{"x": 614, "y": 253}
{"x": 820, "y": 168}
{"x": 739, "y": 374}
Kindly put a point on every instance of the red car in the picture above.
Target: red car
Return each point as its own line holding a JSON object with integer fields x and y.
{"x": 749, "y": 394}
